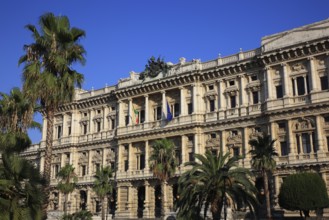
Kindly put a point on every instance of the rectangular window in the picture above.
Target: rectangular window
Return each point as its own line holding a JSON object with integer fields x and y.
{"x": 59, "y": 131}
{"x": 158, "y": 113}
{"x": 56, "y": 170}
{"x": 142, "y": 116}
{"x": 126, "y": 120}
{"x": 255, "y": 97}
{"x": 84, "y": 129}
{"x": 232, "y": 83}
{"x": 211, "y": 105}
{"x": 97, "y": 167}
{"x": 254, "y": 77}
{"x": 279, "y": 92}
{"x": 324, "y": 82}
{"x": 236, "y": 151}
{"x": 176, "y": 110}
{"x": 300, "y": 86}
{"x": 69, "y": 130}
{"x": 233, "y": 101}
{"x": 126, "y": 165}
{"x": 142, "y": 162}
{"x": 98, "y": 126}
{"x": 211, "y": 87}
{"x": 306, "y": 143}
{"x": 83, "y": 170}
{"x": 191, "y": 156}
{"x": 284, "y": 148}
{"x": 112, "y": 124}
{"x": 327, "y": 142}
{"x": 189, "y": 108}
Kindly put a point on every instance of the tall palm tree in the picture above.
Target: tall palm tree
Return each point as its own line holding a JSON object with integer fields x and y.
{"x": 210, "y": 182}
{"x": 163, "y": 163}
{"x": 263, "y": 154}
{"x": 67, "y": 183}
{"x": 103, "y": 185}
{"x": 48, "y": 76}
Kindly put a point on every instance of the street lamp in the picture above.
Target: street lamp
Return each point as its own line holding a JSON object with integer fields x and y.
{"x": 224, "y": 171}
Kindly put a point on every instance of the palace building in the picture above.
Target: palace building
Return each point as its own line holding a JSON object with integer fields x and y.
{"x": 281, "y": 88}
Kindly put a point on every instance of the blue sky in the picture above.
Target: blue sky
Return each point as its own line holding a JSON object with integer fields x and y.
{"x": 122, "y": 35}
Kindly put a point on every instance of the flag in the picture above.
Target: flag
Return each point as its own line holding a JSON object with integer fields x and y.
{"x": 169, "y": 115}
{"x": 136, "y": 115}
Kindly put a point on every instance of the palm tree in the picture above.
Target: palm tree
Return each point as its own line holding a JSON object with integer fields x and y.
{"x": 163, "y": 163}
{"x": 210, "y": 182}
{"x": 67, "y": 182}
{"x": 16, "y": 112}
{"x": 103, "y": 185}
{"x": 48, "y": 77}
{"x": 263, "y": 154}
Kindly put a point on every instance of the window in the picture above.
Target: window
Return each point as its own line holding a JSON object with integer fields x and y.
{"x": 324, "y": 82}
{"x": 142, "y": 115}
{"x": 211, "y": 87}
{"x": 98, "y": 123}
{"x": 83, "y": 170}
{"x": 176, "y": 110}
{"x": 158, "y": 113}
{"x": 127, "y": 119}
{"x": 56, "y": 169}
{"x": 234, "y": 132}
{"x": 255, "y": 97}
{"x": 142, "y": 161}
{"x": 59, "y": 131}
{"x": 98, "y": 111}
{"x": 191, "y": 156}
{"x": 126, "y": 165}
{"x": 231, "y": 83}
{"x": 85, "y": 129}
{"x": 112, "y": 124}
{"x": 178, "y": 156}
{"x": 306, "y": 143}
{"x": 69, "y": 130}
{"x": 211, "y": 105}
{"x": 85, "y": 114}
{"x": 236, "y": 151}
{"x": 284, "y": 148}
{"x": 300, "y": 86}
{"x": 213, "y": 135}
{"x": 254, "y": 77}
{"x": 279, "y": 92}
{"x": 189, "y": 108}
{"x": 233, "y": 101}
{"x": 112, "y": 108}
{"x": 97, "y": 167}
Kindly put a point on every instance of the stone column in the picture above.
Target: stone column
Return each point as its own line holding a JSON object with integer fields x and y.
{"x": 223, "y": 141}
{"x": 44, "y": 128}
{"x": 291, "y": 141}
{"x": 120, "y": 115}
{"x": 164, "y": 107}
{"x": 91, "y": 122}
{"x": 242, "y": 93}
{"x": 313, "y": 79}
{"x": 274, "y": 137}
{"x": 286, "y": 83}
{"x": 246, "y": 145}
{"x": 147, "y": 201}
{"x": 221, "y": 100}
{"x": 104, "y": 157}
{"x": 305, "y": 85}
{"x": 64, "y": 126}
{"x": 184, "y": 149}
{"x": 269, "y": 84}
{"x": 130, "y": 157}
{"x": 105, "y": 119}
{"x": 194, "y": 98}
{"x": 182, "y": 101}
{"x": 89, "y": 163}
{"x": 147, "y": 155}
{"x": 146, "y": 108}
{"x": 130, "y": 112}
{"x": 319, "y": 137}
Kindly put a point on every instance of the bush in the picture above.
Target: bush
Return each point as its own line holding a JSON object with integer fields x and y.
{"x": 303, "y": 192}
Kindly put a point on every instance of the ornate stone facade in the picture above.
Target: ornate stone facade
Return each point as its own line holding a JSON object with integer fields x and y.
{"x": 280, "y": 88}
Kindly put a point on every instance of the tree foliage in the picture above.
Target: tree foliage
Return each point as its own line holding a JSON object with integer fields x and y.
{"x": 210, "y": 180}
{"x": 303, "y": 192}
{"x": 103, "y": 185}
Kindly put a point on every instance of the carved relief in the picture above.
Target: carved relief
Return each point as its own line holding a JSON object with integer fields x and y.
{"x": 298, "y": 67}
{"x": 83, "y": 157}
{"x": 234, "y": 138}
{"x": 303, "y": 124}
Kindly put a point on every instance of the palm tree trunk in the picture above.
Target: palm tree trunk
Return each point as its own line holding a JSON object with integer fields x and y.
{"x": 103, "y": 209}
{"x": 267, "y": 195}
{"x": 48, "y": 155}
{"x": 65, "y": 203}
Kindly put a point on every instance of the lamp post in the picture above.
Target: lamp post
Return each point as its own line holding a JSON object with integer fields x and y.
{"x": 224, "y": 171}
